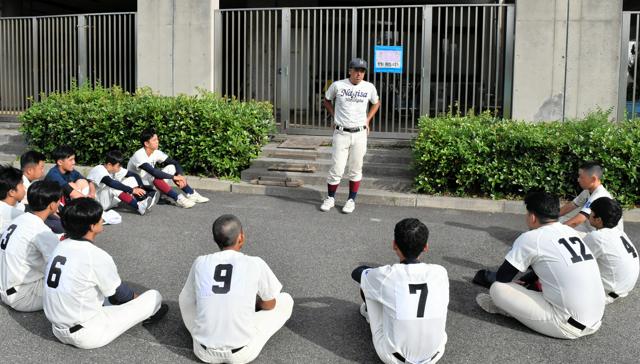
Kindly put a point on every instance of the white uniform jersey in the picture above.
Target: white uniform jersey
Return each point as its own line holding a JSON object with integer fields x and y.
{"x": 567, "y": 270}
{"x": 351, "y": 101}
{"x": 225, "y": 285}
{"x": 79, "y": 276}
{"x": 97, "y": 173}
{"x": 584, "y": 200}
{"x": 617, "y": 259}
{"x": 414, "y": 299}
{"x": 26, "y": 183}
{"x": 26, "y": 246}
{"x": 140, "y": 157}
{"x": 8, "y": 213}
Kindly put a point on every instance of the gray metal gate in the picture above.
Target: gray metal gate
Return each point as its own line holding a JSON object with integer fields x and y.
{"x": 46, "y": 54}
{"x": 455, "y": 58}
{"x": 629, "y": 83}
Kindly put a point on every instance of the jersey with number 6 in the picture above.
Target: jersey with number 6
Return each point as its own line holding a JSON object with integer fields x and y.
{"x": 414, "y": 299}
{"x": 617, "y": 259}
{"x": 79, "y": 277}
{"x": 25, "y": 248}
{"x": 566, "y": 267}
{"x": 225, "y": 285}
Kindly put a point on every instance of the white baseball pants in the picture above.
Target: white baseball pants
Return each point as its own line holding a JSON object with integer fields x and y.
{"x": 268, "y": 322}
{"x": 170, "y": 169}
{"x": 532, "y": 310}
{"x": 111, "y": 322}
{"x": 348, "y": 150}
{"x": 28, "y": 297}
{"x": 108, "y": 197}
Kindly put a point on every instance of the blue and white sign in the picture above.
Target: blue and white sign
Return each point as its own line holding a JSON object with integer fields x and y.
{"x": 387, "y": 59}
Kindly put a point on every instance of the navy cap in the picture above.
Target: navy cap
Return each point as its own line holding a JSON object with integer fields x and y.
{"x": 358, "y": 63}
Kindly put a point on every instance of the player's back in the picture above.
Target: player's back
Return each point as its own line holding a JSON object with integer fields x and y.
{"x": 617, "y": 259}
{"x": 414, "y": 299}
{"x": 8, "y": 213}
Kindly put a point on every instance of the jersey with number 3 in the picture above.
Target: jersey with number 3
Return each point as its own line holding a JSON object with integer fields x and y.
{"x": 225, "y": 285}
{"x": 567, "y": 270}
{"x": 414, "y": 298}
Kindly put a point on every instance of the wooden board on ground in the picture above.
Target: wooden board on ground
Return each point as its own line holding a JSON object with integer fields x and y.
{"x": 292, "y": 167}
{"x": 277, "y": 181}
{"x": 310, "y": 143}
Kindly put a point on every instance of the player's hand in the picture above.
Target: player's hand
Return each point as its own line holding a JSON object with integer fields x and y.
{"x": 484, "y": 278}
{"x": 92, "y": 195}
{"x": 180, "y": 181}
{"x": 139, "y": 191}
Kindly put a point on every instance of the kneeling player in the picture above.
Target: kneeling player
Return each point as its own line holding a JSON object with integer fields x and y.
{"x": 26, "y": 246}
{"x": 79, "y": 278}
{"x": 571, "y": 303}
{"x": 406, "y": 303}
{"x": 612, "y": 248}
{"x": 231, "y": 303}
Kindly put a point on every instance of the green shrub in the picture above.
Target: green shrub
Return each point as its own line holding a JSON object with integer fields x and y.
{"x": 210, "y": 135}
{"x": 484, "y": 156}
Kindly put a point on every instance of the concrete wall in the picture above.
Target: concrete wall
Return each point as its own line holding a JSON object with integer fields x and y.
{"x": 539, "y": 57}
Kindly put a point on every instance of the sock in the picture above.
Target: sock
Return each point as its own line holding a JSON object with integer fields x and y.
{"x": 353, "y": 189}
{"x": 188, "y": 190}
{"x": 128, "y": 199}
{"x": 163, "y": 187}
{"x": 332, "y": 190}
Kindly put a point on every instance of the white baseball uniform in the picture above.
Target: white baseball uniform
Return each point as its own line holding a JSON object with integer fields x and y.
{"x": 350, "y": 111}
{"x": 107, "y": 196}
{"x": 407, "y": 309}
{"x": 584, "y": 200}
{"x": 26, "y": 183}
{"x": 8, "y": 213}
{"x": 617, "y": 259}
{"x": 140, "y": 157}
{"x": 218, "y": 306}
{"x": 79, "y": 277}
{"x": 26, "y": 246}
{"x": 572, "y": 292}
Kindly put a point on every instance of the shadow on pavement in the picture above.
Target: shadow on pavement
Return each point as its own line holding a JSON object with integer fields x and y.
{"x": 506, "y": 236}
{"x": 464, "y": 262}
{"x": 34, "y": 322}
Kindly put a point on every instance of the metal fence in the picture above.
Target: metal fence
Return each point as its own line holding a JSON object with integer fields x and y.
{"x": 454, "y": 58}
{"x": 41, "y": 55}
{"x": 629, "y": 92}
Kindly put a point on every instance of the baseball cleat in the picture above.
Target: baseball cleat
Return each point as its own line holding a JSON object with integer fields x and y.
{"x": 327, "y": 204}
{"x": 363, "y": 312}
{"x": 143, "y": 206}
{"x": 184, "y": 202}
{"x": 197, "y": 198}
{"x": 162, "y": 311}
{"x": 349, "y": 206}
{"x": 485, "y": 302}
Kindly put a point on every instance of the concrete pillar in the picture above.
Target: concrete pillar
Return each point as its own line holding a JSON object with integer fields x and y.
{"x": 593, "y": 56}
{"x": 175, "y": 48}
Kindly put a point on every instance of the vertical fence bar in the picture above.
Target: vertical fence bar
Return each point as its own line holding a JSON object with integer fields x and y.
{"x": 427, "y": 33}
{"x": 466, "y": 67}
{"x": 461, "y": 20}
{"x": 624, "y": 59}
{"x": 35, "y": 70}
{"x": 415, "y": 67}
{"x": 507, "y": 97}
{"x": 284, "y": 66}
{"x": 635, "y": 68}
{"x": 82, "y": 51}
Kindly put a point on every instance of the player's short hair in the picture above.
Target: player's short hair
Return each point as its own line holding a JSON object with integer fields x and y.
{"x": 114, "y": 156}
{"x": 62, "y": 152}
{"x": 411, "y": 236}
{"x": 30, "y": 158}
{"x": 545, "y": 206}
{"x": 609, "y": 210}
{"x": 226, "y": 230}
{"x": 10, "y": 178}
{"x": 78, "y": 216}
{"x": 42, "y": 193}
{"x": 592, "y": 168}
{"x": 146, "y": 135}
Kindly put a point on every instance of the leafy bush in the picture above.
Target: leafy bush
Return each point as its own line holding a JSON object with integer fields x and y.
{"x": 208, "y": 134}
{"x": 484, "y": 156}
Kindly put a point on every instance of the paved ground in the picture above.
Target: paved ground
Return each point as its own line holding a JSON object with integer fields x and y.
{"x": 313, "y": 253}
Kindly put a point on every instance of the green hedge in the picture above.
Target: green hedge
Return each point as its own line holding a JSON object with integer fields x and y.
{"x": 208, "y": 134}
{"x": 484, "y": 156}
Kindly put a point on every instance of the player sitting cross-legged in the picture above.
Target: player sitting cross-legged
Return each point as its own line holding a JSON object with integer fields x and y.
{"x": 571, "y": 304}
{"x": 73, "y": 184}
{"x": 25, "y": 248}
{"x": 612, "y": 248}
{"x": 231, "y": 303}
{"x": 406, "y": 303}
{"x": 79, "y": 277}
{"x": 144, "y": 162}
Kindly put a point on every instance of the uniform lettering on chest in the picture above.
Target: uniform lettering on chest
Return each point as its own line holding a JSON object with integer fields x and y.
{"x": 352, "y": 95}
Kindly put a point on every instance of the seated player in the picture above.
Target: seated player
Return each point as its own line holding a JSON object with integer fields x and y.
{"x": 73, "y": 184}
{"x": 590, "y": 180}
{"x": 571, "y": 304}
{"x": 406, "y": 303}
{"x": 115, "y": 184}
{"x": 26, "y": 246}
{"x": 143, "y": 162}
{"x": 11, "y": 193}
{"x": 32, "y": 165}
{"x": 231, "y": 303}
{"x": 613, "y": 250}
{"x": 79, "y": 277}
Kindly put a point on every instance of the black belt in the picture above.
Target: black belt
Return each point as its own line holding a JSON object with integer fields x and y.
{"x": 575, "y": 324}
{"x": 233, "y": 351}
{"x": 611, "y": 294}
{"x": 402, "y": 359}
{"x": 75, "y": 328}
{"x": 351, "y": 130}
{"x": 11, "y": 291}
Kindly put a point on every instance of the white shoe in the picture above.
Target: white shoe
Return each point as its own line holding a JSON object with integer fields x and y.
{"x": 143, "y": 206}
{"x": 349, "y": 206}
{"x": 197, "y": 198}
{"x": 486, "y": 303}
{"x": 184, "y": 202}
{"x": 327, "y": 204}
{"x": 363, "y": 312}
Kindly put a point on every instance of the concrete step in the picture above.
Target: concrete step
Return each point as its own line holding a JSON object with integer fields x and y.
{"x": 9, "y": 117}
{"x": 9, "y": 125}
{"x": 326, "y": 141}
{"x": 323, "y": 165}
{"x": 397, "y": 156}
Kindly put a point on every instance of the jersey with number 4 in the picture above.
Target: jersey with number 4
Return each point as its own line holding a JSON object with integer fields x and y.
{"x": 617, "y": 259}
{"x": 79, "y": 277}
{"x": 225, "y": 285}
{"x": 414, "y": 299}
{"x": 566, "y": 267}
{"x": 25, "y": 248}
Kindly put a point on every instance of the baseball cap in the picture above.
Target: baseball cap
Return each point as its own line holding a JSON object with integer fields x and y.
{"x": 358, "y": 63}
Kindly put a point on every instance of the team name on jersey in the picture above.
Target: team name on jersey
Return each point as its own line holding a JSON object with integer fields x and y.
{"x": 356, "y": 96}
